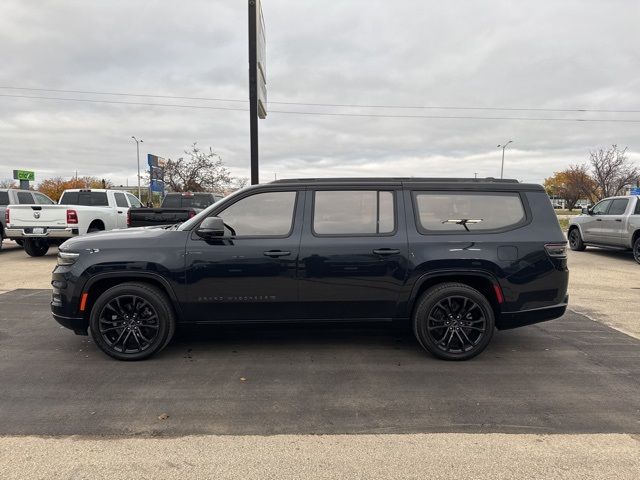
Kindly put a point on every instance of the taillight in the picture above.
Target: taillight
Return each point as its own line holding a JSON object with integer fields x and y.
{"x": 7, "y": 217}
{"x": 72, "y": 216}
{"x": 556, "y": 250}
{"x": 129, "y": 218}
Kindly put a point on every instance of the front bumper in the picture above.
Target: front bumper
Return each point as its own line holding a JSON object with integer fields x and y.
{"x": 49, "y": 232}
{"x": 78, "y": 325}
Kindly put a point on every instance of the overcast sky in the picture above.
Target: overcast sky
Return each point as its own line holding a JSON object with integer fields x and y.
{"x": 506, "y": 54}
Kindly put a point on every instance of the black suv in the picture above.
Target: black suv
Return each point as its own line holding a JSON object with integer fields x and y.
{"x": 454, "y": 257}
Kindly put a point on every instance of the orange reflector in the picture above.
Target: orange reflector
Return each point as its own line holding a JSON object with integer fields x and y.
{"x": 83, "y": 301}
{"x": 498, "y": 291}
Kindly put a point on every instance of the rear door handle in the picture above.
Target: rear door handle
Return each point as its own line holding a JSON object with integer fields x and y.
{"x": 276, "y": 253}
{"x": 120, "y": 211}
{"x": 386, "y": 251}
{"x": 598, "y": 219}
{"x": 618, "y": 219}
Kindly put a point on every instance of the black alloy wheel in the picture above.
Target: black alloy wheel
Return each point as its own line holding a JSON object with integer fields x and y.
{"x": 575, "y": 240}
{"x": 636, "y": 249}
{"x": 132, "y": 321}
{"x": 454, "y": 321}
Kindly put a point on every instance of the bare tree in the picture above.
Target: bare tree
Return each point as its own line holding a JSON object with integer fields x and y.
{"x": 199, "y": 171}
{"x": 612, "y": 170}
{"x": 7, "y": 183}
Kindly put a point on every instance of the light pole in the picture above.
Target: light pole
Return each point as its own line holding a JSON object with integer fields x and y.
{"x": 502, "y": 166}
{"x": 138, "y": 142}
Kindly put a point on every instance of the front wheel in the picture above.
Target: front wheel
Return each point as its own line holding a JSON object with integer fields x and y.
{"x": 636, "y": 250}
{"x": 575, "y": 240}
{"x": 453, "y": 321}
{"x": 132, "y": 321}
{"x": 36, "y": 247}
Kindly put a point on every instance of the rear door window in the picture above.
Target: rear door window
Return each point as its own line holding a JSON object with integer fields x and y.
{"x": 468, "y": 211}
{"x": 42, "y": 199}
{"x": 353, "y": 212}
{"x": 135, "y": 203}
{"x": 121, "y": 200}
{"x": 25, "y": 198}
{"x": 618, "y": 206}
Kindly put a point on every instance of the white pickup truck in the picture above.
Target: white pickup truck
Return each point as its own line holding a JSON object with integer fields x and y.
{"x": 79, "y": 211}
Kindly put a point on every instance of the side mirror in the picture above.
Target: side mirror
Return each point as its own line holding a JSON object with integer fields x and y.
{"x": 211, "y": 227}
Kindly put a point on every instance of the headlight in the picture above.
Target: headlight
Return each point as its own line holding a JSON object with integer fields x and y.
{"x": 67, "y": 258}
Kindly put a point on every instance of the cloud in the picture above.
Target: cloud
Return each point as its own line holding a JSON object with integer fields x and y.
{"x": 546, "y": 54}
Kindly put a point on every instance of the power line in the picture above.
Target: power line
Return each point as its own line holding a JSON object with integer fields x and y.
{"x": 343, "y": 105}
{"x": 331, "y": 114}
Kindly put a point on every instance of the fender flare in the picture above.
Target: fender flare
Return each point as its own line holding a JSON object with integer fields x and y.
{"x": 127, "y": 276}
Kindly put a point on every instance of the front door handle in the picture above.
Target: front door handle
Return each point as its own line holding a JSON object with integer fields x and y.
{"x": 598, "y": 219}
{"x": 276, "y": 253}
{"x": 386, "y": 251}
{"x": 618, "y": 219}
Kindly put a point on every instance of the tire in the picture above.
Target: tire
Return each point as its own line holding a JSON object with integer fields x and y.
{"x": 575, "y": 240}
{"x": 453, "y": 321}
{"x": 636, "y": 249}
{"x": 36, "y": 247}
{"x": 137, "y": 309}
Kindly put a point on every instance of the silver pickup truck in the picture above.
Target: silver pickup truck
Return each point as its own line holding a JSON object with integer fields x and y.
{"x": 611, "y": 223}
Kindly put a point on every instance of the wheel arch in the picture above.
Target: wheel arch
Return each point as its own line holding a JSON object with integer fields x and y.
{"x": 98, "y": 223}
{"x": 100, "y": 283}
{"x": 483, "y": 281}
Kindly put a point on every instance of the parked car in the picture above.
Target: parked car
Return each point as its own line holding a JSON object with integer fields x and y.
{"x": 455, "y": 258}
{"x": 176, "y": 208}
{"x": 10, "y": 196}
{"x": 611, "y": 223}
{"x": 79, "y": 211}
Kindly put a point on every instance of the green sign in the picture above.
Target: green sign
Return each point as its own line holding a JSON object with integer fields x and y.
{"x": 24, "y": 175}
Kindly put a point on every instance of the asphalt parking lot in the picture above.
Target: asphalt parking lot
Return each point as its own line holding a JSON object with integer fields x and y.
{"x": 561, "y": 396}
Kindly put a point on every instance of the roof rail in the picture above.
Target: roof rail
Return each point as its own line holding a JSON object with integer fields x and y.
{"x": 396, "y": 179}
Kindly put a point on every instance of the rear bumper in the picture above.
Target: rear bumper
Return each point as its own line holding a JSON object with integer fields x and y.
{"x": 508, "y": 320}
{"x": 50, "y": 232}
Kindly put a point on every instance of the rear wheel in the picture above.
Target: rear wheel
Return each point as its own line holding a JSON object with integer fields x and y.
{"x": 36, "y": 247}
{"x": 453, "y": 321}
{"x": 636, "y": 249}
{"x": 132, "y": 321}
{"x": 575, "y": 240}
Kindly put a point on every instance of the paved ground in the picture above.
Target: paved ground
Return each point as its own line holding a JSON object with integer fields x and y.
{"x": 568, "y": 376}
{"x": 555, "y": 400}
{"x": 437, "y": 456}
{"x": 605, "y": 285}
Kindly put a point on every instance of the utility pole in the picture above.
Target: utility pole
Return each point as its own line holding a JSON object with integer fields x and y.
{"x": 138, "y": 142}
{"x": 502, "y": 166}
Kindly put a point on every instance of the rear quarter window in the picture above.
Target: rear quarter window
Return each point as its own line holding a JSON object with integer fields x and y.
{"x": 462, "y": 212}
{"x": 4, "y": 198}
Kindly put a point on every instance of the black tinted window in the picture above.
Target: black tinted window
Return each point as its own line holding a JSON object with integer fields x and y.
{"x": 618, "y": 206}
{"x": 95, "y": 199}
{"x": 4, "y": 198}
{"x": 637, "y": 212}
{"x": 171, "y": 201}
{"x": 263, "y": 214}
{"x": 475, "y": 211}
{"x": 25, "y": 197}
{"x": 353, "y": 212}
{"x": 121, "y": 200}
{"x": 198, "y": 200}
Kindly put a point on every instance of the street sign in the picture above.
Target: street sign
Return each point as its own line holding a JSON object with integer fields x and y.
{"x": 24, "y": 175}
{"x": 157, "y": 186}
{"x": 156, "y": 161}
{"x": 635, "y": 191}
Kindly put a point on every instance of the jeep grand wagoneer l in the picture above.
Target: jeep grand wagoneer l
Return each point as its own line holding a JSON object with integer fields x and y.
{"x": 454, "y": 258}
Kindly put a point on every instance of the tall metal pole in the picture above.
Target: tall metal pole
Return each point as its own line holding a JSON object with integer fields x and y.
{"x": 502, "y": 165}
{"x": 138, "y": 142}
{"x": 253, "y": 92}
